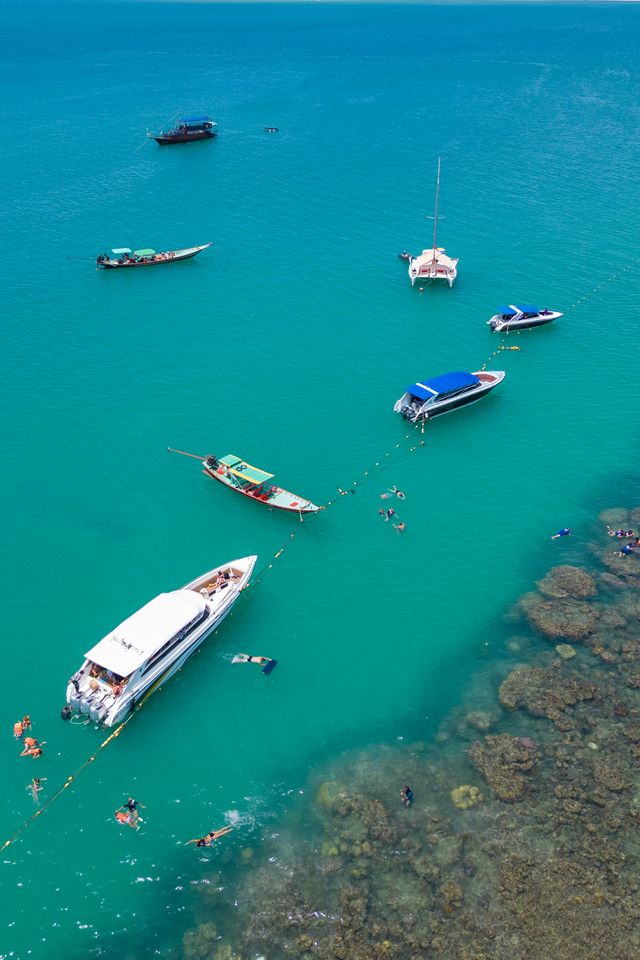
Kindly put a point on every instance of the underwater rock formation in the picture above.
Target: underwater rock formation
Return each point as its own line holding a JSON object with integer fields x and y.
{"x": 501, "y": 760}
{"x": 542, "y": 865}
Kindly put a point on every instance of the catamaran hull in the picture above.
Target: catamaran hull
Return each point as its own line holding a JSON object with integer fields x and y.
{"x": 297, "y": 504}
{"x": 426, "y": 278}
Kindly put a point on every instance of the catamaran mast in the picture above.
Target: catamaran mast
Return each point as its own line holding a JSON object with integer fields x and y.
{"x": 435, "y": 219}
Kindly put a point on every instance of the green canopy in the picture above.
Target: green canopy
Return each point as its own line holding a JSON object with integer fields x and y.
{"x": 144, "y": 253}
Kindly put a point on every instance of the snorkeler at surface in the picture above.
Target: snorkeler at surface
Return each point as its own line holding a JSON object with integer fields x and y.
{"x": 210, "y": 837}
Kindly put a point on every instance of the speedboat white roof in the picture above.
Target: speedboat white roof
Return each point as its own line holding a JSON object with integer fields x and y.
{"x": 136, "y": 639}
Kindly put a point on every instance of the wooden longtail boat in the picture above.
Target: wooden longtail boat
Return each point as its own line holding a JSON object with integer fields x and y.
{"x": 186, "y": 129}
{"x": 124, "y": 257}
{"x": 251, "y": 482}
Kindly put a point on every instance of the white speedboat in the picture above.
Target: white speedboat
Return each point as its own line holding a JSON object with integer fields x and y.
{"x": 149, "y": 646}
{"x": 450, "y": 391}
{"x": 433, "y": 264}
{"x": 519, "y": 316}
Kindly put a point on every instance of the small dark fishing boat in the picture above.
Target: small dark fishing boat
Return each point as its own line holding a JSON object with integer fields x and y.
{"x": 271, "y": 130}
{"x": 124, "y": 257}
{"x": 186, "y": 129}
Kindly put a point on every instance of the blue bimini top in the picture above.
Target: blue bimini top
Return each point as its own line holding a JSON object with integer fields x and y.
{"x": 506, "y": 311}
{"x": 526, "y": 308}
{"x": 447, "y": 383}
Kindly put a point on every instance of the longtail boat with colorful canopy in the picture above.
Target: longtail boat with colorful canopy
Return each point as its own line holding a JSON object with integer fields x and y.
{"x": 125, "y": 257}
{"x": 252, "y": 482}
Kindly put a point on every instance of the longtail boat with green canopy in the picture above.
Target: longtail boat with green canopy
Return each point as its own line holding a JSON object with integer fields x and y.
{"x": 146, "y": 257}
{"x": 252, "y": 482}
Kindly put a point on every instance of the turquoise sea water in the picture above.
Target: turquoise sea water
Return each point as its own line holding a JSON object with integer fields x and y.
{"x": 287, "y": 343}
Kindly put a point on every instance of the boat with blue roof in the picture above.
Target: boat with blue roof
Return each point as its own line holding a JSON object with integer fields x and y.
{"x": 185, "y": 130}
{"x": 520, "y": 316}
{"x": 426, "y": 399}
{"x": 146, "y": 257}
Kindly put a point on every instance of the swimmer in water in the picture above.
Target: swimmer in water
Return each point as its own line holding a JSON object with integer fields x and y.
{"x": 390, "y": 513}
{"x": 32, "y": 748}
{"x": 406, "y": 796}
{"x": 624, "y": 551}
{"x": 400, "y": 527}
{"x": 248, "y": 658}
{"x": 565, "y": 532}
{"x": 127, "y": 818}
{"x": 393, "y": 491}
{"x": 36, "y": 787}
{"x": 210, "y": 837}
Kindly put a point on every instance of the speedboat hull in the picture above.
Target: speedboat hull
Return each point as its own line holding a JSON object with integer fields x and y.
{"x": 502, "y": 324}
{"x": 416, "y": 412}
{"x": 100, "y": 700}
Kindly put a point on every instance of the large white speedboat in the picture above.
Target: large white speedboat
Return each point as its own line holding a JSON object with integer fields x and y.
{"x": 149, "y": 646}
{"x": 450, "y": 391}
{"x": 433, "y": 264}
{"x": 520, "y": 316}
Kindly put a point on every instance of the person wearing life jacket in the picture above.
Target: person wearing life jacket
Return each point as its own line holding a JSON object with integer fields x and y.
{"x": 17, "y": 730}
{"x": 32, "y": 748}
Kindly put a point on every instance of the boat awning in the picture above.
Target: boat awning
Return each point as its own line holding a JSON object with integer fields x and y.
{"x": 196, "y": 120}
{"x": 240, "y": 468}
{"x": 144, "y": 253}
{"x": 136, "y": 639}
{"x": 506, "y": 311}
{"x": 121, "y": 250}
{"x": 446, "y": 383}
{"x": 526, "y": 308}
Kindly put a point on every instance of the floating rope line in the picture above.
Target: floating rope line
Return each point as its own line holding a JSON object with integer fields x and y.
{"x": 83, "y": 766}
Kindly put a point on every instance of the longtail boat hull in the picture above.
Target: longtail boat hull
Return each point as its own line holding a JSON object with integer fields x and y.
{"x": 149, "y": 260}
{"x": 165, "y": 140}
{"x": 254, "y": 484}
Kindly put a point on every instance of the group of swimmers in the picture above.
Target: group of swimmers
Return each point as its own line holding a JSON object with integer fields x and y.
{"x": 390, "y": 513}
{"x": 31, "y": 746}
{"x": 128, "y": 813}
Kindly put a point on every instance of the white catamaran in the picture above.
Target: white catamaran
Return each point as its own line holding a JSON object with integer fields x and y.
{"x": 433, "y": 264}
{"x": 150, "y": 645}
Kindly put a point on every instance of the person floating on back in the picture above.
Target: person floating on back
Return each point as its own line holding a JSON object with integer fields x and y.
{"x": 565, "y": 532}
{"x": 207, "y": 840}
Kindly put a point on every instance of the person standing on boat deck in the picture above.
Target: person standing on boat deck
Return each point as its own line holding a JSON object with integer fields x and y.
{"x": 565, "y": 532}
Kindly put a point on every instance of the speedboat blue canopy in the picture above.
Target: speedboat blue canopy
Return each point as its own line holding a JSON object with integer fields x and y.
{"x": 446, "y": 383}
{"x": 526, "y": 308}
{"x": 196, "y": 120}
{"x": 506, "y": 311}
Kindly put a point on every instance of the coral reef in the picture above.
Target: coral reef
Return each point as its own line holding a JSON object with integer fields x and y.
{"x": 542, "y": 865}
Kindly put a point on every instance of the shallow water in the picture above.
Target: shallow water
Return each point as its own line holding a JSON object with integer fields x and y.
{"x": 287, "y": 343}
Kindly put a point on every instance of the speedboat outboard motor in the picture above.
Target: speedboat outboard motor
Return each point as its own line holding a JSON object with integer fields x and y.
{"x": 406, "y": 411}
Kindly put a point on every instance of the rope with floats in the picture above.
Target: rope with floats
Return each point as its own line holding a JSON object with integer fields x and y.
{"x": 83, "y": 766}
